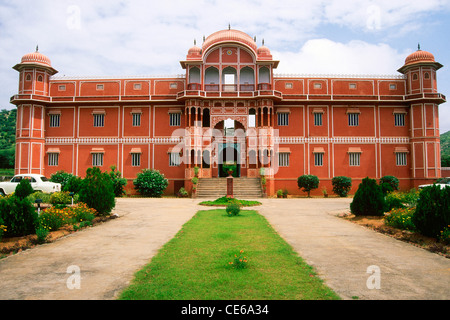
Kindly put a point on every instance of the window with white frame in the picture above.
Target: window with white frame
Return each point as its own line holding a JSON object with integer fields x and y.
{"x": 318, "y": 119}
{"x": 283, "y": 159}
{"x": 97, "y": 159}
{"x": 399, "y": 119}
{"x": 400, "y": 158}
{"x": 135, "y": 159}
{"x": 283, "y": 119}
{"x": 55, "y": 120}
{"x": 53, "y": 159}
{"x": 353, "y": 119}
{"x": 99, "y": 120}
{"x": 174, "y": 159}
{"x": 355, "y": 159}
{"x": 136, "y": 119}
{"x": 318, "y": 159}
{"x": 175, "y": 119}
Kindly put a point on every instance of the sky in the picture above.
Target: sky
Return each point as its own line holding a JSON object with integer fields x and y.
{"x": 149, "y": 38}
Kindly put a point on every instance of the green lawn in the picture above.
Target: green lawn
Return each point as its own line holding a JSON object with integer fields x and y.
{"x": 194, "y": 265}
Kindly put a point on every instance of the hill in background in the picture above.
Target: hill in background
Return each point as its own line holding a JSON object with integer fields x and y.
{"x": 445, "y": 149}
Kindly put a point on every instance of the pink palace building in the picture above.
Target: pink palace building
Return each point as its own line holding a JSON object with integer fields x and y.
{"x": 230, "y": 107}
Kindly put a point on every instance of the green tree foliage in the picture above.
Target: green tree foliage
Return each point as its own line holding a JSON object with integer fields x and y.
{"x": 61, "y": 177}
{"x": 388, "y": 184}
{"x": 150, "y": 183}
{"x": 308, "y": 183}
{"x": 118, "y": 182}
{"x": 7, "y": 137}
{"x": 97, "y": 191}
{"x": 432, "y": 213}
{"x": 23, "y": 189}
{"x": 368, "y": 200}
{"x": 341, "y": 185}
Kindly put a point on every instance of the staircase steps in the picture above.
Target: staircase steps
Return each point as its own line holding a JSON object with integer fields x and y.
{"x": 243, "y": 188}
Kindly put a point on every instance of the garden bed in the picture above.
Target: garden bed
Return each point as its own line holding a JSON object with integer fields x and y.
{"x": 10, "y": 246}
{"x": 224, "y": 201}
{"x": 377, "y": 224}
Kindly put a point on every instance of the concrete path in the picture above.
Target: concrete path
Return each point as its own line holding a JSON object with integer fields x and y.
{"x": 343, "y": 253}
{"x": 109, "y": 254}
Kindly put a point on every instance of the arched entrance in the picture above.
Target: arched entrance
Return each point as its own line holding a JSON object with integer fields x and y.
{"x": 229, "y": 159}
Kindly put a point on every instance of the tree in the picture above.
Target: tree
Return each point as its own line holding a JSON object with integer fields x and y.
{"x": 97, "y": 191}
{"x": 308, "y": 183}
{"x": 368, "y": 200}
{"x": 151, "y": 183}
{"x": 118, "y": 182}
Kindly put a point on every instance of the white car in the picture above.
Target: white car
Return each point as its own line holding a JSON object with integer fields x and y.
{"x": 38, "y": 183}
{"x": 443, "y": 183}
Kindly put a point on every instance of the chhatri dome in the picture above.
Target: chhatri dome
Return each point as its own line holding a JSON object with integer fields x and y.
{"x": 229, "y": 35}
{"x": 36, "y": 58}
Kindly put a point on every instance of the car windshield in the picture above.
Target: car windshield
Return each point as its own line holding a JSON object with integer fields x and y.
{"x": 44, "y": 179}
{"x": 444, "y": 181}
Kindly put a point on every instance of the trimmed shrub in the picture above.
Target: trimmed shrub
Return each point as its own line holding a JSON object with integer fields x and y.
{"x": 400, "y": 218}
{"x": 308, "y": 183}
{"x": 23, "y": 189}
{"x": 62, "y": 197}
{"x": 341, "y": 185}
{"x": 150, "y": 183}
{"x": 73, "y": 185}
{"x": 97, "y": 191}
{"x": 233, "y": 209}
{"x": 433, "y": 211}
{"x": 61, "y": 177}
{"x": 368, "y": 199}
{"x": 388, "y": 184}
{"x": 18, "y": 215}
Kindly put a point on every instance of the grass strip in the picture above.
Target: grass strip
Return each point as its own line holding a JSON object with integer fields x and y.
{"x": 224, "y": 201}
{"x": 195, "y": 264}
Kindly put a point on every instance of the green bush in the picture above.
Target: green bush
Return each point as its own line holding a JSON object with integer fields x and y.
{"x": 61, "y": 177}
{"x": 150, "y": 183}
{"x": 308, "y": 183}
{"x": 341, "y": 185}
{"x": 18, "y": 215}
{"x": 233, "y": 209}
{"x": 182, "y": 193}
{"x": 23, "y": 189}
{"x": 97, "y": 191}
{"x": 368, "y": 199}
{"x": 54, "y": 218}
{"x": 41, "y": 234}
{"x": 388, "y": 184}
{"x": 73, "y": 184}
{"x": 433, "y": 211}
{"x": 62, "y": 197}
{"x": 81, "y": 212}
{"x": 118, "y": 182}
{"x": 45, "y": 197}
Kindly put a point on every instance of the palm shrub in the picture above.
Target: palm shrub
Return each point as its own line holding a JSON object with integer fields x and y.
{"x": 341, "y": 185}
{"x": 432, "y": 213}
{"x": 150, "y": 183}
{"x": 308, "y": 183}
{"x": 368, "y": 200}
{"x": 118, "y": 182}
{"x": 97, "y": 191}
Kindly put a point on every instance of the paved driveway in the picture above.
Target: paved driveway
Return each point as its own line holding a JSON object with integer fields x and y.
{"x": 108, "y": 255}
{"x": 343, "y": 253}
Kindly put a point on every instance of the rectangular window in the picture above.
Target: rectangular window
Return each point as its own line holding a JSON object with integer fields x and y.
{"x": 355, "y": 159}
{"x": 318, "y": 159}
{"x": 135, "y": 159}
{"x": 54, "y": 120}
{"x": 283, "y": 119}
{"x": 353, "y": 119}
{"x": 136, "y": 119}
{"x": 283, "y": 159}
{"x": 352, "y": 86}
{"x": 400, "y": 158}
{"x": 173, "y": 85}
{"x": 174, "y": 159}
{"x": 100, "y": 87}
{"x": 399, "y": 119}
{"x": 99, "y": 120}
{"x": 288, "y": 85}
{"x": 53, "y": 159}
{"x": 175, "y": 119}
{"x": 137, "y": 86}
{"x": 97, "y": 159}
{"x": 317, "y": 119}
{"x": 392, "y": 86}
{"x": 317, "y": 85}
{"x": 62, "y": 87}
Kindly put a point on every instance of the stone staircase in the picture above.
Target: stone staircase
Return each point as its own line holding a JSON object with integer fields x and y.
{"x": 243, "y": 188}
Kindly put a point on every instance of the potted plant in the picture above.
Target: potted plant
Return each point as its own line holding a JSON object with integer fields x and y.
{"x": 279, "y": 193}
{"x": 196, "y": 170}
{"x": 325, "y": 193}
{"x": 285, "y": 193}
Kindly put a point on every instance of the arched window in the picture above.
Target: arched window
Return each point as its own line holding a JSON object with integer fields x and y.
{"x": 229, "y": 79}
{"x": 212, "y": 79}
{"x": 40, "y": 79}
{"x": 264, "y": 79}
{"x": 206, "y": 118}
{"x": 28, "y": 78}
{"x": 194, "y": 78}
{"x": 427, "y": 75}
{"x": 247, "y": 79}
{"x": 252, "y": 118}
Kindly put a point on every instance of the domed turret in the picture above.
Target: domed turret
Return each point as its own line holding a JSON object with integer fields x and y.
{"x": 263, "y": 52}
{"x": 36, "y": 59}
{"x": 229, "y": 35}
{"x": 194, "y": 52}
{"x": 419, "y": 57}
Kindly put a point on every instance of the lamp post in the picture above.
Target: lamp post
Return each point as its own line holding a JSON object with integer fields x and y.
{"x": 38, "y": 202}
{"x": 71, "y": 194}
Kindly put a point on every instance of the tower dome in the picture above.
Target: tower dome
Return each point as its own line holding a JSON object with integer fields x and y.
{"x": 229, "y": 35}
{"x": 263, "y": 52}
{"x": 194, "y": 52}
{"x": 36, "y": 59}
{"x": 419, "y": 56}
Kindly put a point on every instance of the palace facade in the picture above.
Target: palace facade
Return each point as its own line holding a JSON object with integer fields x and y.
{"x": 229, "y": 108}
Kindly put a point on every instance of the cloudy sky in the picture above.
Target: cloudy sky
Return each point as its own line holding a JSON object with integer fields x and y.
{"x": 134, "y": 37}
